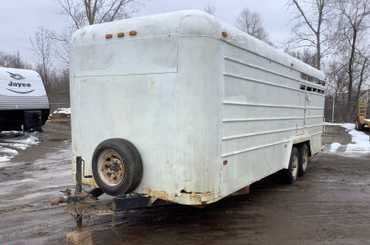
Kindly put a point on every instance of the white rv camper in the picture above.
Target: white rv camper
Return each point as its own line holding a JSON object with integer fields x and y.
{"x": 184, "y": 108}
{"x": 23, "y": 100}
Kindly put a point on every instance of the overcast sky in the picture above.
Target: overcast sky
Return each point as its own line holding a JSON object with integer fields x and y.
{"x": 20, "y": 18}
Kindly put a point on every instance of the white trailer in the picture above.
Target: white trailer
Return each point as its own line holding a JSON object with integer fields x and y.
{"x": 23, "y": 100}
{"x": 184, "y": 108}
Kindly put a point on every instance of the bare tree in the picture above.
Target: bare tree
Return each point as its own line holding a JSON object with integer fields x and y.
{"x": 14, "y": 61}
{"x": 62, "y": 45}
{"x": 363, "y": 75}
{"x": 89, "y": 12}
{"x": 251, "y": 23}
{"x": 310, "y": 21}
{"x": 337, "y": 78}
{"x": 304, "y": 55}
{"x": 210, "y": 9}
{"x": 41, "y": 46}
{"x": 351, "y": 39}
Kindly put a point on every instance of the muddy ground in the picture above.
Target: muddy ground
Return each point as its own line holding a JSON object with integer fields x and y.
{"x": 329, "y": 205}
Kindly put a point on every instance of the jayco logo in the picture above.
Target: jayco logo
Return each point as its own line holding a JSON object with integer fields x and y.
{"x": 16, "y": 76}
{"x": 18, "y": 86}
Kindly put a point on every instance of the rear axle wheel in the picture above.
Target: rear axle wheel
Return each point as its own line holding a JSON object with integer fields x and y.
{"x": 291, "y": 174}
{"x": 304, "y": 158}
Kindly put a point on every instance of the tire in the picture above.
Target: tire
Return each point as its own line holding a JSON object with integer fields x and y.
{"x": 32, "y": 121}
{"x": 304, "y": 157}
{"x": 117, "y": 167}
{"x": 291, "y": 174}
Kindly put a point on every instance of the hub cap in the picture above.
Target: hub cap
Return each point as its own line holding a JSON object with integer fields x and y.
{"x": 111, "y": 167}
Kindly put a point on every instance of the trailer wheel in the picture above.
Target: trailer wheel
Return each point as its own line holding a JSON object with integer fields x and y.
{"x": 117, "y": 166}
{"x": 291, "y": 174}
{"x": 304, "y": 157}
{"x": 32, "y": 121}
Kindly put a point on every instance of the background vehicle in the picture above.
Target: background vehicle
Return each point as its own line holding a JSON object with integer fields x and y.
{"x": 23, "y": 100}
{"x": 362, "y": 121}
{"x": 184, "y": 108}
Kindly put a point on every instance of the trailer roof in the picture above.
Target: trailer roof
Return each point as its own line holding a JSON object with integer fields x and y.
{"x": 190, "y": 23}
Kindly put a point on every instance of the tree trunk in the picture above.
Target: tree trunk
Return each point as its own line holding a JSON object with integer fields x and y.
{"x": 362, "y": 75}
{"x": 318, "y": 51}
{"x": 350, "y": 108}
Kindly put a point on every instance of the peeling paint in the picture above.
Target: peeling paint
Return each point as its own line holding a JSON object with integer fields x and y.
{"x": 89, "y": 181}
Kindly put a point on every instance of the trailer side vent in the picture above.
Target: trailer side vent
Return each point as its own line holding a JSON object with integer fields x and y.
{"x": 312, "y": 79}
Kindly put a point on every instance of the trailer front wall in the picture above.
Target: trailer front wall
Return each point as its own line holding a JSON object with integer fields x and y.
{"x": 169, "y": 110}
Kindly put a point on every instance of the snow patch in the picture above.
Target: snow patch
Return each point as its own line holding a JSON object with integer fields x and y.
{"x": 12, "y": 141}
{"x": 4, "y": 159}
{"x": 360, "y": 141}
{"x": 334, "y": 147}
{"x": 62, "y": 111}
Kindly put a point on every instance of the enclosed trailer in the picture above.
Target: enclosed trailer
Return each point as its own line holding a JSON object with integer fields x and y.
{"x": 23, "y": 100}
{"x": 184, "y": 108}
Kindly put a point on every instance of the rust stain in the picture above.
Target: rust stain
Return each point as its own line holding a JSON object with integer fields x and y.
{"x": 190, "y": 198}
{"x": 157, "y": 194}
{"x": 89, "y": 181}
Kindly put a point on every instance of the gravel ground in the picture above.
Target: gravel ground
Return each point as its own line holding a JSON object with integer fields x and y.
{"x": 329, "y": 205}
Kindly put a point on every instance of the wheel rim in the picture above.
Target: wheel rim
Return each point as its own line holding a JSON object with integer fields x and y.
{"x": 111, "y": 167}
{"x": 294, "y": 168}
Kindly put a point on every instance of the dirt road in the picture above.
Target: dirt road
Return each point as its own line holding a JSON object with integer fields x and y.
{"x": 329, "y": 205}
{"x": 36, "y": 172}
